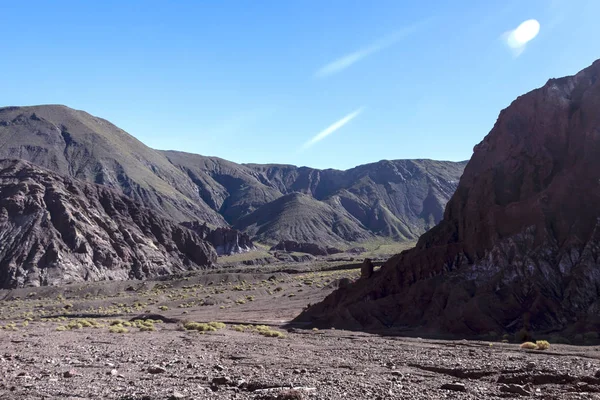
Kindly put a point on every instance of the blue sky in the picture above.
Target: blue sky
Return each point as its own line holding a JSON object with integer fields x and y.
{"x": 262, "y": 81}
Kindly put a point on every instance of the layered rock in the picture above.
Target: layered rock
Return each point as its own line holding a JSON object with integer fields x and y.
{"x": 226, "y": 241}
{"x": 55, "y": 230}
{"x": 519, "y": 244}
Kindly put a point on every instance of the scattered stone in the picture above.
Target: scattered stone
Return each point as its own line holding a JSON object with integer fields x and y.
{"x": 457, "y": 387}
{"x": 530, "y": 365}
{"x": 155, "y": 369}
{"x": 516, "y": 389}
{"x": 114, "y": 372}
{"x": 219, "y": 367}
{"x": 221, "y": 380}
{"x": 70, "y": 373}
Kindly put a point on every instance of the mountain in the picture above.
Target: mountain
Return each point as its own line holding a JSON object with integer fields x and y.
{"x": 56, "y": 230}
{"x": 77, "y": 144}
{"x": 399, "y": 199}
{"x": 518, "y": 248}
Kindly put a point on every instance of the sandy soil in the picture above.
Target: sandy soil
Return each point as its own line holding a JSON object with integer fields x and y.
{"x": 57, "y": 343}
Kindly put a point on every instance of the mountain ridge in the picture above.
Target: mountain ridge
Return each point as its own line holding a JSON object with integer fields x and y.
{"x": 399, "y": 199}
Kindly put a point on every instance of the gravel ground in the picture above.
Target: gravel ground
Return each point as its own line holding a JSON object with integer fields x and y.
{"x": 37, "y": 361}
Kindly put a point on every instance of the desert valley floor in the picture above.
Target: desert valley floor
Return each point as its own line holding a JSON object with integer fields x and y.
{"x": 78, "y": 341}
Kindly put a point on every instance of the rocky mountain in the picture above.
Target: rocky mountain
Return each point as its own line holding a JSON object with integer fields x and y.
{"x": 55, "y": 230}
{"x": 519, "y": 245}
{"x": 399, "y": 199}
{"x": 226, "y": 241}
{"x": 77, "y": 144}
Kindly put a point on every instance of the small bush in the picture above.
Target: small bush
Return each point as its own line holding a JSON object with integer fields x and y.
{"x": 118, "y": 329}
{"x": 268, "y": 332}
{"x": 163, "y": 308}
{"x": 203, "y": 327}
{"x": 61, "y": 328}
{"x": 542, "y": 345}
{"x": 529, "y": 346}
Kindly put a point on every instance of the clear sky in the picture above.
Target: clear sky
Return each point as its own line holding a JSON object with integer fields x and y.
{"x": 322, "y": 83}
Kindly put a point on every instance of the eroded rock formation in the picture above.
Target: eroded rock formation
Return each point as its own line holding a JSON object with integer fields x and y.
{"x": 56, "y": 230}
{"x": 519, "y": 244}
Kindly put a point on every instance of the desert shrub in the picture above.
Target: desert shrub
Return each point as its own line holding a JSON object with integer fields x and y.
{"x": 163, "y": 308}
{"x": 61, "y": 328}
{"x": 147, "y": 328}
{"x": 542, "y": 345}
{"x": 529, "y": 346}
{"x": 202, "y": 326}
{"x": 217, "y": 325}
{"x": 239, "y": 328}
{"x": 118, "y": 329}
{"x": 268, "y": 332}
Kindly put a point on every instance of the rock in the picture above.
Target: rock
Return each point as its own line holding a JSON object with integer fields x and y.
{"x": 530, "y": 365}
{"x": 70, "y": 373}
{"x": 366, "y": 269}
{"x": 114, "y": 372}
{"x": 177, "y": 396}
{"x": 457, "y": 387}
{"x": 517, "y": 246}
{"x": 221, "y": 380}
{"x": 155, "y": 369}
{"x": 516, "y": 389}
{"x": 226, "y": 241}
{"x": 72, "y": 231}
{"x": 219, "y": 367}
{"x": 597, "y": 374}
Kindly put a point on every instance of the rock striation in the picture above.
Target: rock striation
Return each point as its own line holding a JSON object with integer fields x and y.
{"x": 226, "y": 241}
{"x": 56, "y": 230}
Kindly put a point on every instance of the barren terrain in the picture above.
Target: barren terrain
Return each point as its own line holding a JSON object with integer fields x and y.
{"x": 78, "y": 341}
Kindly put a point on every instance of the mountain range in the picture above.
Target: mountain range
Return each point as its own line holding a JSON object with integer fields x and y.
{"x": 398, "y": 199}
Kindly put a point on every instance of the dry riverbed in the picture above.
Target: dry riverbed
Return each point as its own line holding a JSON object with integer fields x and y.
{"x": 80, "y": 342}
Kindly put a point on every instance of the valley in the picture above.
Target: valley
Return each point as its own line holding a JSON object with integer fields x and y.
{"x": 139, "y": 340}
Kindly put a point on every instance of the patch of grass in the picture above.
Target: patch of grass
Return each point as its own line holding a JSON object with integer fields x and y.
{"x": 542, "y": 345}
{"x": 203, "y": 326}
{"x": 118, "y": 329}
{"x": 529, "y": 346}
{"x": 268, "y": 332}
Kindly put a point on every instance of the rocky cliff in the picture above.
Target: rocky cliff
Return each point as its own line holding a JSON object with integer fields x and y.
{"x": 55, "y": 230}
{"x": 519, "y": 244}
{"x": 226, "y": 241}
